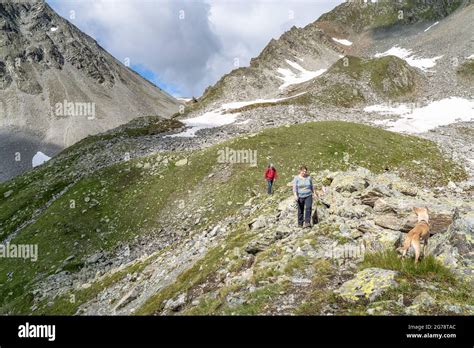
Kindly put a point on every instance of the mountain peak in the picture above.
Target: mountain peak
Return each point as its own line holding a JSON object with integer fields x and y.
{"x": 48, "y": 65}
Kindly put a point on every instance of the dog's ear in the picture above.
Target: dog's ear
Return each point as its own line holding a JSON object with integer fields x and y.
{"x": 427, "y": 210}
{"x": 415, "y": 210}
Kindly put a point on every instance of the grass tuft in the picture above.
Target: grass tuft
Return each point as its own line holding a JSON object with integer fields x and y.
{"x": 427, "y": 268}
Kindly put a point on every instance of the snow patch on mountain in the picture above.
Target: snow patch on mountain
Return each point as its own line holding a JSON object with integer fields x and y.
{"x": 237, "y": 105}
{"x": 221, "y": 116}
{"x": 343, "y": 41}
{"x": 303, "y": 75}
{"x": 183, "y": 99}
{"x": 39, "y": 158}
{"x": 210, "y": 119}
{"x": 388, "y": 109}
{"x": 244, "y": 122}
{"x": 418, "y": 120}
{"x": 431, "y": 26}
{"x": 405, "y": 54}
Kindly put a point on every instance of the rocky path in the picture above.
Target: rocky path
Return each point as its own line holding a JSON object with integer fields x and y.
{"x": 290, "y": 266}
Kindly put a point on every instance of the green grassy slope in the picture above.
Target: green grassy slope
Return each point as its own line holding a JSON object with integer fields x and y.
{"x": 124, "y": 200}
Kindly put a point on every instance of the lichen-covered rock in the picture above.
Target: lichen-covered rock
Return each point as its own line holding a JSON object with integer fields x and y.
{"x": 367, "y": 284}
{"x": 276, "y": 258}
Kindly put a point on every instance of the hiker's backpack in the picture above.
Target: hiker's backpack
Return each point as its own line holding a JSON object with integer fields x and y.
{"x": 271, "y": 172}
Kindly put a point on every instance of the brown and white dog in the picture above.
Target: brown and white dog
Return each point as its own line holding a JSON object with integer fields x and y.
{"x": 421, "y": 231}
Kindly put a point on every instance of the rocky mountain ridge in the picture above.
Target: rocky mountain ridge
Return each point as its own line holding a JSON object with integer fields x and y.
{"x": 355, "y": 27}
{"x": 58, "y": 85}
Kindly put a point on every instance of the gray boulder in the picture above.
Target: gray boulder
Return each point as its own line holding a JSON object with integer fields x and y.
{"x": 349, "y": 182}
{"x": 176, "y": 304}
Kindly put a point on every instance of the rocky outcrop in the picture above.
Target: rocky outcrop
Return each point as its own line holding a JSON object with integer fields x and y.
{"x": 397, "y": 214}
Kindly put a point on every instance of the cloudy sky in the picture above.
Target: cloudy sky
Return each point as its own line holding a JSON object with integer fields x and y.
{"x": 183, "y": 46}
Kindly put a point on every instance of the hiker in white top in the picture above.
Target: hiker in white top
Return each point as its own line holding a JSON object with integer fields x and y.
{"x": 303, "y": 191}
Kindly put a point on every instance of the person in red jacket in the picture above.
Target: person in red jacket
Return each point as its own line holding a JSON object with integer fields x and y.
{"x": 270, "y": 177}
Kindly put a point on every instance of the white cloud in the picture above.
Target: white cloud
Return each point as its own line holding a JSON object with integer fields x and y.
{"x": 195, "y": 51}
